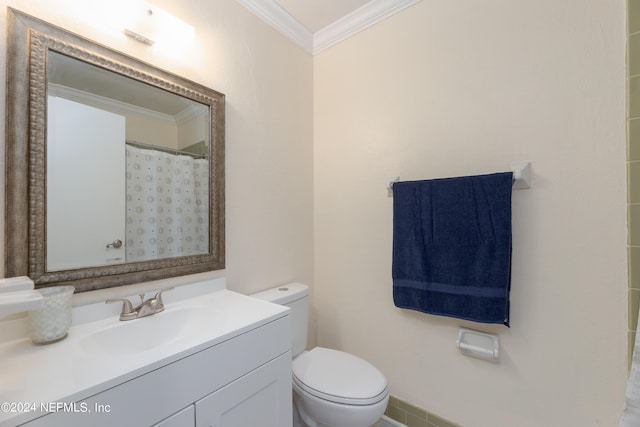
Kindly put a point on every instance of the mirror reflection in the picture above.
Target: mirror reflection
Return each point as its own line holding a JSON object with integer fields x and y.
{"x": 127, "y": 169}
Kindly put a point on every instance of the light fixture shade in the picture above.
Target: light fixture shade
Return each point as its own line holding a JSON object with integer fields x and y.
{"x": 150, "y": 25}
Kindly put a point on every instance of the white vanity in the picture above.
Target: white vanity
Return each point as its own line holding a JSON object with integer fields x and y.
{"x": 212, "y": 358}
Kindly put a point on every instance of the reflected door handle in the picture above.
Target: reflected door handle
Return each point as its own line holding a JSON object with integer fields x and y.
{"x": 116, "y": 244}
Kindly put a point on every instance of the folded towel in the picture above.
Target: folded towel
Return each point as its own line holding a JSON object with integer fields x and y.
{"x": 452, "y": 246}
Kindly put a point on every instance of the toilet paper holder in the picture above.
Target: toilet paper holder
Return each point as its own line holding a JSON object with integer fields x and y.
{"x": 481, "y": 345}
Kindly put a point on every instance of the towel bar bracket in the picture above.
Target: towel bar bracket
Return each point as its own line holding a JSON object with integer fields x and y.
{"x": 390, "y": 183}
{"x": 521, "y": 175}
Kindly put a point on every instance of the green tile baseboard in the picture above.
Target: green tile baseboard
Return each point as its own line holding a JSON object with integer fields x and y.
{"x": 414, "y": 416}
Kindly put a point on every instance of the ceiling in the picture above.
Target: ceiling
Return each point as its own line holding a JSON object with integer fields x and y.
{"x": 317, "y": 14}
{"x": 82, "y": 82}
{"x": 318, "y": 24}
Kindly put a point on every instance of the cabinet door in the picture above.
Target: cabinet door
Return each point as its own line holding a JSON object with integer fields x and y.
{"x": 184, "y": 418}
{"x": 260, "y": 398}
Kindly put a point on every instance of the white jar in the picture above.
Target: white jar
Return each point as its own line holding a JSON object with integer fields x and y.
{"x": 51, "y": 322}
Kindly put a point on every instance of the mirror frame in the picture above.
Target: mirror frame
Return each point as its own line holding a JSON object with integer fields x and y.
{"x": 29, "y": 40}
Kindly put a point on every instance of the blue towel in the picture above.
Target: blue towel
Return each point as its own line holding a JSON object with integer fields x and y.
{"x": 452, "y": 246}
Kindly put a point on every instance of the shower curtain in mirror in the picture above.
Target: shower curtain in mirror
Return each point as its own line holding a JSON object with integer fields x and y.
{"x": 167, "y": 205}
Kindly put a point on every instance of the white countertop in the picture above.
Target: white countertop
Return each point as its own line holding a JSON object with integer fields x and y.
{"x": 71, "y": 370}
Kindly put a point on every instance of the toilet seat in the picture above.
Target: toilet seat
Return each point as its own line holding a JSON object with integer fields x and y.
{"x": 339, "y": 377}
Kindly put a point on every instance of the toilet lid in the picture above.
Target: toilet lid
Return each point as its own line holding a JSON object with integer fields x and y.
{"x": 339, "y": 377}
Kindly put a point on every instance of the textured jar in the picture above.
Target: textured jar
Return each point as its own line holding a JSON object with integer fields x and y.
{"x": 51, "y": 322}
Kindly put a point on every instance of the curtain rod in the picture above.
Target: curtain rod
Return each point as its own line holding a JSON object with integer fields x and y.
{"x": 164, "y": 149}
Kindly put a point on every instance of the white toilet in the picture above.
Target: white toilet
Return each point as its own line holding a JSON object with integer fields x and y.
{"x": 331, "y": 388}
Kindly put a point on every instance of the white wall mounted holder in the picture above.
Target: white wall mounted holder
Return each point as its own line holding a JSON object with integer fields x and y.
{"x": 480, "y": 345}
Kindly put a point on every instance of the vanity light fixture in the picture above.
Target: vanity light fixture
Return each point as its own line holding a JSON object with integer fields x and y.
{"x": 139, "y": 37}
{"x": 150, "y": 25}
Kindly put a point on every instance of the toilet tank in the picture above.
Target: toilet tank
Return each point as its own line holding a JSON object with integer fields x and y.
{"x": 296, "y": 297}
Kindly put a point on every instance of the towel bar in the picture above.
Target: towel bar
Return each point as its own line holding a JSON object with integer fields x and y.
{"x": 521, "y": 177}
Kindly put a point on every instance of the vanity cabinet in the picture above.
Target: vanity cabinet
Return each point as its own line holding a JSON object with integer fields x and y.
{"x": 252, "y": 400}
{"x": 243, "y": 381}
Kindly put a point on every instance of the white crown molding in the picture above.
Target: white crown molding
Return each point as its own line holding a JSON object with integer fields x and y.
{"x": 121, "y": 107}
{"x": 272, "y": 13}
{"x": 358, "y": 20}
{"x": 191, "y": 112}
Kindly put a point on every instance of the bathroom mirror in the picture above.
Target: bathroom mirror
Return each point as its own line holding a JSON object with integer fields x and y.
{"x": 115, "y": 169}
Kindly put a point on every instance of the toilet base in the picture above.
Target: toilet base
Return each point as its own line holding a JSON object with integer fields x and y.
{"x": 297, "y": 421}
{"x": 313, "y": 412}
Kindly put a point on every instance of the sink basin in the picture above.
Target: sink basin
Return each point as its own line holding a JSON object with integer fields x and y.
{"x": 147, "y": 333}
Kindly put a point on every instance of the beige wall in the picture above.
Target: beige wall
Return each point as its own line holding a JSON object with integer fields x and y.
{"x": 193, "y": 131}
{"x": 450, "y": 88}
{"x": 149, "y": 131}
{"x": 268, "y": 86}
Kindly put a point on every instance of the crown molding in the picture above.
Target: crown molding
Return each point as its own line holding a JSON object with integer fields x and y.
{"x": 273, "y": 14}
{"x": 122, "y": 108}
{"x": 189, "y": 113}
{"x": 358, "y": 20}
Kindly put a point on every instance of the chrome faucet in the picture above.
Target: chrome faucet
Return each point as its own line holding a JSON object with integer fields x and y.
{"x": 145, "y": 308}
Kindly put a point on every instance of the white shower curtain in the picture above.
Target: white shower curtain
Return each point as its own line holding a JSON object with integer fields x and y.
{"x": 631, "y": 411}
{"x": 167, "y": 205}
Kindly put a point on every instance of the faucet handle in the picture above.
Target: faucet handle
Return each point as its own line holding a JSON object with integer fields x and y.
{"x": 127, "y": 312}
{"x": 159, "y": 304}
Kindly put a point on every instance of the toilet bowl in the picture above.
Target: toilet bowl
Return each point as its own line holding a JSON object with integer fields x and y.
{"x": 331, "y": 388}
